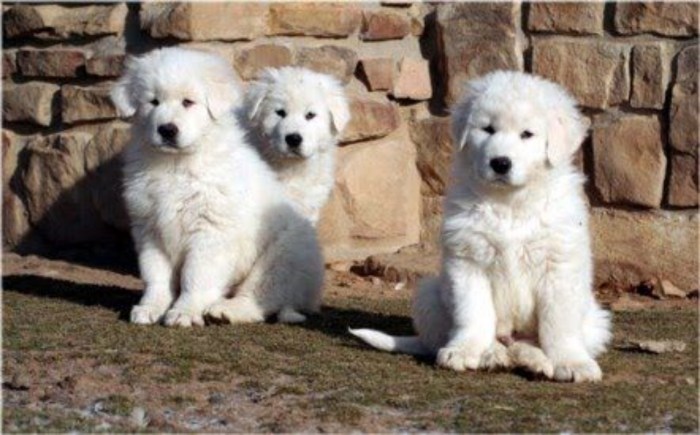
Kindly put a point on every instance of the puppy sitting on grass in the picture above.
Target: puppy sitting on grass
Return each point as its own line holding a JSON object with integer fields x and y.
{"x": 516, "y": 266}
{"x": 295, "y": 116}
{"x": 208, "y": 216}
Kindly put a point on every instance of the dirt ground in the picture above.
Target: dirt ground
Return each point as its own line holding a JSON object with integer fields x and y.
{"x": 72, "y": 362}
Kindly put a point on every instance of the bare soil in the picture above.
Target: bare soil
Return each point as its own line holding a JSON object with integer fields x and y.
{"x": 72, "y": 362}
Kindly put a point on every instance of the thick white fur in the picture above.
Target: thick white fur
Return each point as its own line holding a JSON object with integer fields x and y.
{"x": 516, "y": 250}
{"x": 307, "y": 172}
{"x": 208, "y": 216}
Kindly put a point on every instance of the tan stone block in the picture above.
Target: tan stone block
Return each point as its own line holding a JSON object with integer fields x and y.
{"x": 379, "y": 25}
{"x": 29, "y": 102}
{"x": 9, "y": 63}
{"x": 57, "y": 195}
{"x": 329, "y": 59}
{"x": 86, "y": 103}
{"x": 413, "y": 80}
{"x": 378, "y": 73}
{"x": 433, "y": 141}
{"x": 477, "y": 38}
{"x": 375, "y": 206}
{"x": 662, "y": 18}
{"x": 331, "y": 20}
{"x": 225, "y": 21}
{"x": 584, "y": 18}
{"x": 251, "y": 60}
{"x": 651, "y": 72}
{"x": 683, "y": 183}
{"x": 47, "y": 21}
{"x": 51, "y": 62}
{"x": 629, "y": 160}
{"x": 684, "y": 103}
{"x": 370, "y": 119}
{"x": 106, "y": 66}
{"x": 15, "y": 223}
{"x": 595, "y": 72}
{"x": 631, "y": 247}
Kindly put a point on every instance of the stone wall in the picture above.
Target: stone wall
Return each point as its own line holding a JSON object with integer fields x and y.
{"x": 632, "y": 66}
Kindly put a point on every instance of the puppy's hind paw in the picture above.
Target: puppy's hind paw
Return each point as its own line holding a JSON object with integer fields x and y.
{"x": 578, "y": 371}
{"x": 458, "y": 358}
{"x": 531, "y": 359}
{"x": 233, "y": 311}
{"x": 183, "y": 319}
{"x": 146, "y": 314}
{"x": 496, "y": 357}
{"x": 290, "y": 315}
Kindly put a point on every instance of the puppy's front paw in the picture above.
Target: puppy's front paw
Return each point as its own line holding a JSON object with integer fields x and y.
{"x": 146, "y": 314}
{"x": 176, "y": 317}
{"x": 233, "y": 311}
{"x": 532, "y": 359}
{"x": 496, "y": 357}
{"x": 458, "y": 358}
{"x": 578, "y": 371}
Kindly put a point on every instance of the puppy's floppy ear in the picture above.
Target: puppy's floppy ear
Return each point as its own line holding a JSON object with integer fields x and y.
{"x": 462, "y": 112}
{"x": 123, "y": 93}
{"x": 254, "y": 97}
{"x": 566, "y": 129}
{"x": 337, "y": 103}
{"x": 222, "y": 93}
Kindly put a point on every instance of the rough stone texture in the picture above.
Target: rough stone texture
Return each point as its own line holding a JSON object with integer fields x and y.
{"x": 225, "y": 21}
{"x": 250, "y": 61}
{"x": 476, "y": 38}
{"x": 370, "y": 119}
{"x": 9, "y": 63}
{"x": 629, "y": 160}
{"x": 29, "y": 102}
{"x": 314, "y": 19}
{"x": 15, "y": 225}
{"x": 631, "y": 247}
{"x": 57, "y": 192}
{"x": 663, "y": 18}
{"x": 51, "y": 62}
{"x": 684, "y": 103}
{"x": 379, "y": 25}
{"x": 103, "y": 166}
{"x": 651, "y": 72}
{"x": 683, "y": 183}
{"x": 46, "y": 21}
{"x": 584, "y": 18}
{"x": 86, "y": 103}
{"x": 107, "y": 57}
{"x": 330, "y": 59}
{"x": 377, "y": 73}
{"x": 434, "y": 153}
{"x": 417, "y": 13}
{"x": 413, "y": 80}
{"x": 375, "y": 206}
{"x": 595, "y": 72}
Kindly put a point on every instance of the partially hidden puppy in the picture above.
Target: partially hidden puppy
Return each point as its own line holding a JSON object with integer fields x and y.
{"x": 208, "y": 216}
{"x": 515, "y": 287}
{"x": 295, "y": 116}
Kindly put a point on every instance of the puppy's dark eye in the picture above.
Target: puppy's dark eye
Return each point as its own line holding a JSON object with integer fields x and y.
{"x": 489, "y": 129}
{"x": 155, "y": 102}
{"x": 310, "y": 115}
{"x": 187, "y": 103}
{"x": 527, "y": 134}
{"x": 281, "y": 113}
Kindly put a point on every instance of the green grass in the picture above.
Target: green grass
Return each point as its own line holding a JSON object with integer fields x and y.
{"x": 318, "y": 370}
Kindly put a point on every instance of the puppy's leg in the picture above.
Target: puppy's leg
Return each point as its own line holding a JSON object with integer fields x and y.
{"x": 531, "y": 358}
{"x": 239, "y": 309}
{"x": 561, "y": 309}
{"x": 158, "y": 274}
{"x": 204, "y": 279}
{"x": 474, "y": 318}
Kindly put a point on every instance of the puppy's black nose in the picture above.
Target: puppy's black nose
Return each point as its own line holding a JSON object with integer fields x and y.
{"x": 500, "y": 165}
{"x": 293, "y": 140}
{"x": 168, "y": 131}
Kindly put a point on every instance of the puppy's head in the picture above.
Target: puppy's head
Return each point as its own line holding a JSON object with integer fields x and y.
{"x": 175, "y": 95}
{"x": 511, "y": 126}
{"x": 297, "y": 112}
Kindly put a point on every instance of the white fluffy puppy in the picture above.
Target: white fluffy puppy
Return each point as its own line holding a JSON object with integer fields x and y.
{"x": 207, "y": 214}
{"x": 516, "y": 250}
{"x": 295, "y": 116}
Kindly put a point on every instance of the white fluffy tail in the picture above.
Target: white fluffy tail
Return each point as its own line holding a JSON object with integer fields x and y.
{"x": 408, "y": 344}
